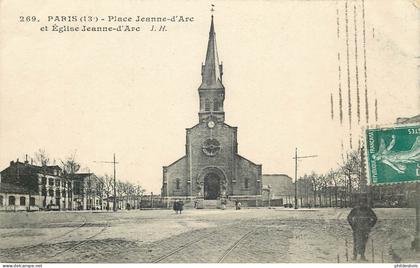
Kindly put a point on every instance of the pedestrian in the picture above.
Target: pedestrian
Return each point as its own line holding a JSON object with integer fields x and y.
{"x": 180, "y": 206}
{"x": 176, "y": 206}
{"x": 223, "y": 203}
{"x": 361, "y": 219}
{"x": 239, "y": 205}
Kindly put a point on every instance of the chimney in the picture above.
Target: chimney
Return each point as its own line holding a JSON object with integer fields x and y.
{"x": 26, "y": 159}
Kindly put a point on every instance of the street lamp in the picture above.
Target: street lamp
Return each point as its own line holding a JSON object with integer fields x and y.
{"x": 115, "y": 181}
{"x": 296, "y": 159}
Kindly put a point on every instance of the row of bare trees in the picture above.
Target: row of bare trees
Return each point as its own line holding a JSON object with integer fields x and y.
{"x": 102, "y": 188}
{"x": 339, "y": 187}
{"x": 335, "y": 188}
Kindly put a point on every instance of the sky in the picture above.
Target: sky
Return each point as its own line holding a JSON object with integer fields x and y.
{"x": 94, "y": 94}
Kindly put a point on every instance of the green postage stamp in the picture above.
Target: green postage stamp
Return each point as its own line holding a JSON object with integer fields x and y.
{"x": 393, "y": 154}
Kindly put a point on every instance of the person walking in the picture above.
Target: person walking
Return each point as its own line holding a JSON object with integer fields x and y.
{"x": 180, "y": 206}
{"x": 361, "y": 219}
{"x": 176, "y": 206}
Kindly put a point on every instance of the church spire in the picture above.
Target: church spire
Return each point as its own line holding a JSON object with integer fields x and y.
{"x": 212, "y": 71}
{"x": 211, "y": 90}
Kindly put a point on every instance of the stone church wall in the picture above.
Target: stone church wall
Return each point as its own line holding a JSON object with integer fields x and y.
{"x": 248, "y": 181}
{"x": 178, "y": 170}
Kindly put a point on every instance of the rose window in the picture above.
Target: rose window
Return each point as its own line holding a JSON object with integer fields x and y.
{"x": 211, "y": 147}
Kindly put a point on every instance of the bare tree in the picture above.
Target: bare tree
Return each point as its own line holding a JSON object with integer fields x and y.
{"x": 120, "y": 192}
{"x": 322, "y": 188}
{"x": 90, "y": 189}
{"x": 333, "y": 177}
{"x": 351, "y": 169}
{"x": 139, "y": 192}
{"x": 108, "y": 187}
{"x": 304, "y": 189}
{"x": 42, "y": 159}
{"x": 316, "y": 185}
{"x": 100, "y": 189}
{"x": 70, "y": 166}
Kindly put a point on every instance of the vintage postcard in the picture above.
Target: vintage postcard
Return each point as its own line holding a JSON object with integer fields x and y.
{"x": 209, "y": 132}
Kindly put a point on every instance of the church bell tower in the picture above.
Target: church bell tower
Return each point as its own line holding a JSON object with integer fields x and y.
{"x": 211, "y": 90}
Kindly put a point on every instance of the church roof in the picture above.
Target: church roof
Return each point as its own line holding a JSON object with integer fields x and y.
{"x": 176, "y": 161}
{"x": 240, "y": 156}
{"x": 211, "y": 70}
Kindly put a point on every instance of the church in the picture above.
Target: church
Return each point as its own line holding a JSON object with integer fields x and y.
{"x": 211, "y": 167}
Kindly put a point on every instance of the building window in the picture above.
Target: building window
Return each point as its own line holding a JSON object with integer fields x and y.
{"x": 57, "y": 182}
{"x": 11, "y": 200}
{"x": 77, "y": 188}
{"x": 216, "y": 105}
{"x": 246, "y": 183}
{"x": 44, "y": 181}
{"x": 51, "y": 182}
{"x": 51, "y": 192}
{"x": 22, "y": 201}
{"x": 64, "y": 193}
{"x": 207, "y": 105}
{"x": 44, "y": 191}
{"x": 32, "y": 201}
{"x": 178, "y": 184}
{"x": 1, "y": 200}
{"x": 57, "y": 193}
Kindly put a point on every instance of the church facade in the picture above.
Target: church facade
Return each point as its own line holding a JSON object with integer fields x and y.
{"x": 211, "y": 167}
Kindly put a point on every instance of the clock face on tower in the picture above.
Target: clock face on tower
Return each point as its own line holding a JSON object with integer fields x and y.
{"x": 211, "y": 147}
{"x": 211, "y": 124}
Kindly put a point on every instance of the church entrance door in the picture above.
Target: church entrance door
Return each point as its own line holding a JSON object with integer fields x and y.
{"x": 211, "y": 186}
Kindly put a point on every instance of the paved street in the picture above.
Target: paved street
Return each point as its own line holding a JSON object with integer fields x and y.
{"x": 248, "y": 235}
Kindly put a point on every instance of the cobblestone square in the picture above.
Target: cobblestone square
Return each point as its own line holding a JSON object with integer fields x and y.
{"x": 201, "y": 236}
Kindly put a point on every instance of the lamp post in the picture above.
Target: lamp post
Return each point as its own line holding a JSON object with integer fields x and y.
{"x": 115, "y": 181}
{"x": 296, "y": 159}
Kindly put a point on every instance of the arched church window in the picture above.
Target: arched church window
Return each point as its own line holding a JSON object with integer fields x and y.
{"x": 246, "y": 183}
{"x": 178, "y": 184}
{"x": 216, "y": 105}
{"x": 207, "y": 105}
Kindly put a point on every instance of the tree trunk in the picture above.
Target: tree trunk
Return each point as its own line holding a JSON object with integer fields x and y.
{"x": 336, "y": 197}
{"x": 350, "y": 190}
{"x": 330, "y": 194}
